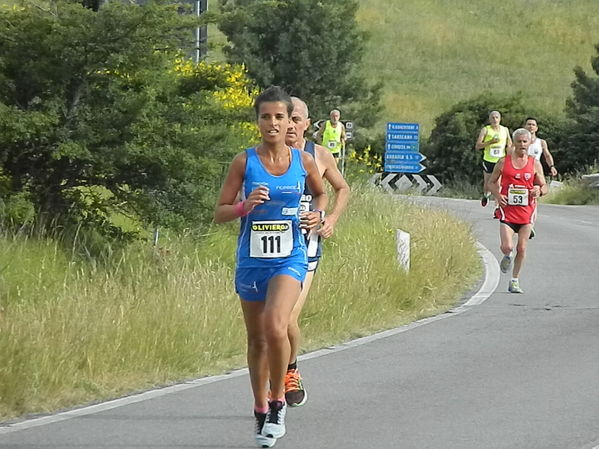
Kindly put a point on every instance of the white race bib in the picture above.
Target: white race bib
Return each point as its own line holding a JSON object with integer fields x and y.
{"x": 496, "y": 151}
{"x": 305, "y": 203}
{"x": 305, "y": 207}
{"x": 517, "y": 196}
{"x": 270, "y": 239}
{"x": 332, "y": 144}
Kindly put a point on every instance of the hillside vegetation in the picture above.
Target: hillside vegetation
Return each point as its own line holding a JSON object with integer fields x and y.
{"x": 432, "y": 54}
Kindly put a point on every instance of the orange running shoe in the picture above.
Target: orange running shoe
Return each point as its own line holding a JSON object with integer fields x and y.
{"x": 295, "y": 393}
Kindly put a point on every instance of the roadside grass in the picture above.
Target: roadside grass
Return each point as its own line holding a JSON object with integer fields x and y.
{"x": 77, "y": 332}
{"x": 572, "y": 192}
{"x": 361, "y": 289}
{"x": 74, "y": 332}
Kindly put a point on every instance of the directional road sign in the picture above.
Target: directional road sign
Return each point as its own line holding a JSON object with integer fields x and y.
{"x": 401, "y": 127}
{"x": 405, "y": 167}
{"x": 394, "y": 146}
{"x": 402, "y": 137}
{"x": 402, "y": 142}
{"x": 403, "y": 156}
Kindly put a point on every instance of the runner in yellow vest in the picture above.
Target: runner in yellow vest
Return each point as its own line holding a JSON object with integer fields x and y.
{"x": 494, "y": 139}
{"x": 332, "y": 134}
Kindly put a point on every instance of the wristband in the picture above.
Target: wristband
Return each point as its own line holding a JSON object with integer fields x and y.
{"x": 239, "y": 209}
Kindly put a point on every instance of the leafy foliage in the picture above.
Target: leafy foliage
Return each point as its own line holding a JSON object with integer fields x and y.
{"x": 311, "y": 48}
{"x": 100, "y": 116}
{"x": 581, "y": 138}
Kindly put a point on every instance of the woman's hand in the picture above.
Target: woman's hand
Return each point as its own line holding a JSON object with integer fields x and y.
{"x": 258, "y": 196}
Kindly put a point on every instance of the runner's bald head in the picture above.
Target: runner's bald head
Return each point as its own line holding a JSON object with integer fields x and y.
{"x": 300, "y": 106}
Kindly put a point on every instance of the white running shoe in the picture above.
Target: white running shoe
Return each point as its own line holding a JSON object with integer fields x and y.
{"x": 274, "y": 427}
{"x": 263, "y": 441}
{"x": 514, "y": 287}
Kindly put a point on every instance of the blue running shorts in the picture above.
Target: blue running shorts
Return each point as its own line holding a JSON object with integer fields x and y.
{"x": 251, "y": 284}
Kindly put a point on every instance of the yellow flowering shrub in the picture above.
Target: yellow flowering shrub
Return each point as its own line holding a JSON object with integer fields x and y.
{"x": 364, "y": 161}
{"x": 229, "y": 85}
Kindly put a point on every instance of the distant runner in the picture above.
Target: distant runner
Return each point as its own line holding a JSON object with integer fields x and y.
{"x": 332, "y": 134}
{"x": 516, "y": 183}
{"x": 538, "y": 146}
{"x": 494, "y": 139}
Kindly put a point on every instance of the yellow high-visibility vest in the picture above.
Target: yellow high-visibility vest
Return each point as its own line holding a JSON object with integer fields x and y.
{"x": 496, "y": 151}
{"x": 331, "y": 137}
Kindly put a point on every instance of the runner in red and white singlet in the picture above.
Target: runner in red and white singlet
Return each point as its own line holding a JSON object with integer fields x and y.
{"x": 516, "y": 183}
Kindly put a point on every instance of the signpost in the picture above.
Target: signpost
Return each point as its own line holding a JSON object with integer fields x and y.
{"x": 349, "y": 130}
{"x": 201, "y": 32}
{"x": 402, "y": 144}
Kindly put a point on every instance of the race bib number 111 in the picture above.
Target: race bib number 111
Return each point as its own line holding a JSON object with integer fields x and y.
{"x": 270, "y": 239}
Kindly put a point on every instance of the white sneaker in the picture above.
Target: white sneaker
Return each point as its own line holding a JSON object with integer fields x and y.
{"x": 514, "y": 287}
{"x": 263, "y": 441}
{"x": 274, "y": 427}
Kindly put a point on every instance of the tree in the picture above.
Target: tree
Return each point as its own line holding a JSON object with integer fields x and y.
{"x": 312, "y": 48}
{"x": 580, "y": 146}
{"x": 100, "y": 116}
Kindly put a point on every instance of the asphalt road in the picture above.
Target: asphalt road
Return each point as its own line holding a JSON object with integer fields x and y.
{"x": 504, "y": 371}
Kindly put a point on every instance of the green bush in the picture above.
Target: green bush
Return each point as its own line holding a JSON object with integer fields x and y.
{"x": 450, "y": 149}
{"x": 16, "y": 210}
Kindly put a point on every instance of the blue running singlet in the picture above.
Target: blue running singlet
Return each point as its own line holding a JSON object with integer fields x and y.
{"x": 270, "y": 235}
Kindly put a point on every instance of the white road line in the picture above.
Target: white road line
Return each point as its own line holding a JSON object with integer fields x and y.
{"x": 489, "y": 285}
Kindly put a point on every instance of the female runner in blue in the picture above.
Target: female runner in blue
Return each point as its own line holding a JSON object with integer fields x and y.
{"x": 271, "y": 251}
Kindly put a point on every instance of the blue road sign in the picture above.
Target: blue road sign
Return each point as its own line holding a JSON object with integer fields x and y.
{"x": 403, "y": 156}
{"x": 402, "y": 142}
{"x": 404, "y": 167}
{"x": 394, "y": 146}
{"x": 403, "y": 137}
{"x": 413, "y": 127}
